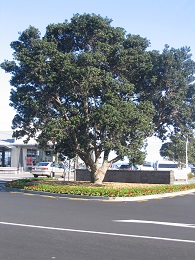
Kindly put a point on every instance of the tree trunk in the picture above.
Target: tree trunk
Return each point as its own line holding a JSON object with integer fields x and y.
{"x": 100, "y": 173}
{"x": 99, "y": 176}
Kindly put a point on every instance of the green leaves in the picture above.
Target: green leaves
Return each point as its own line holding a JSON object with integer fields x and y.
{"x": 95, "y": 89}
{"x": 88, "y": 190}
{"x": 171, "y": 90}
{"x": 176, "y": 148}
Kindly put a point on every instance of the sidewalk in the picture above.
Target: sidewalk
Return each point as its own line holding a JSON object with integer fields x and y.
{"x": 12, "y": 176}
{"x": 15, "y": 176}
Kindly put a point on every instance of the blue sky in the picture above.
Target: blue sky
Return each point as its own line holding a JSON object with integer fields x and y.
{"x": 162, "y": 22}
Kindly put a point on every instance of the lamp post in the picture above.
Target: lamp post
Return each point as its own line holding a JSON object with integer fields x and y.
{"x": 187, "y": 158}
{"x": 186, "y": 153}
{"x": 53, "y": 158}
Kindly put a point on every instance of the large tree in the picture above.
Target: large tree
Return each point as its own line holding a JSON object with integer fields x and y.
{"x": 177, "y": 148}
{"x": 94, "y": 89}
{"x": 169, "y": 84}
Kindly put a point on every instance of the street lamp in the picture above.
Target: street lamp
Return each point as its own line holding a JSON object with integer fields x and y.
{"x": 186, "y": 153}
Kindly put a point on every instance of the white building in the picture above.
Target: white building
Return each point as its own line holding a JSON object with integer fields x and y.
{"x": 16, "y": 153}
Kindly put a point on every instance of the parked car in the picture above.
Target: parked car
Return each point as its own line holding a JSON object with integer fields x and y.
{"x": 114, "y": 167}
{"x": 48, "y": 169}
{"x": 147, "y": 166}
{"x": 192, "y": 167}
{"x": 128, "y": 167}
{"x": 166, "y": 165}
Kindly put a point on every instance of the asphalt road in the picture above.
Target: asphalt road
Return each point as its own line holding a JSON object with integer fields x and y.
{"x": 52, "y": 227}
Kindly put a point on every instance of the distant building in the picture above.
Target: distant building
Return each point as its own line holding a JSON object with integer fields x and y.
{"x": 15, "y": 153}
{"x": 6, "y": 146}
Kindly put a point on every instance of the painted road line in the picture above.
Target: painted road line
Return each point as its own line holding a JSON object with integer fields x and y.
{"x": 48, "y": 196}
{"x": 28, "y": 194}
{"x": 155, "y": 223}
{"x": 99, "y": 233}
{"x": 78, "y": 199}
{"x": 111, "y": 201}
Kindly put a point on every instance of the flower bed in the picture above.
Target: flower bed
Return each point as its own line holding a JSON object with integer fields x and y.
{"x": 89, "y": 189}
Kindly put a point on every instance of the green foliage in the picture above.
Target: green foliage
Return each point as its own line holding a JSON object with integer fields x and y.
{"x": 176, "y": 149}
{"x": 93, "y": 89}
{"x": 190, "y": 175}
{"x": 169, "y": 85}
{"x": 98, "y": 191}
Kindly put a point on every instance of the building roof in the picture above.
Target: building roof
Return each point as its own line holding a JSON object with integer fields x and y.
{"x": 6, "y": 139}
{"x": 21, "y": 141}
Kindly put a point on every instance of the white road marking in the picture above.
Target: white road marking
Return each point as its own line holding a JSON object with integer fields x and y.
{"x": 98, "y": 233}
{"x": 155, "y": 223}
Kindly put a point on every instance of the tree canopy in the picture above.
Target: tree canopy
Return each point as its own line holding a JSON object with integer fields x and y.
{"x": 177, "y": 147}
{"x": 95, "y": 89}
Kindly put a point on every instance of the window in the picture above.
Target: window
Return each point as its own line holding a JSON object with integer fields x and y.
{"x": 161, "y": 165}
{"x": 31, "y": 156}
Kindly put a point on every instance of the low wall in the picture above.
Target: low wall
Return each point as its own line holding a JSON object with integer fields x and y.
{"x": 152, "y": 177}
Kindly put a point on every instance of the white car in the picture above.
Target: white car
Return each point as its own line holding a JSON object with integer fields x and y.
{"x": 48, "y": 169}
{"x": 147, "y": 166}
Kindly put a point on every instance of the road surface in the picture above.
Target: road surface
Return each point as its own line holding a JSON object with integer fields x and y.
{"x": 38, "y": 226}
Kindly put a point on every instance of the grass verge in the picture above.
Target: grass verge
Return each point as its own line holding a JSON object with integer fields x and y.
{"x": 39, "y": 185}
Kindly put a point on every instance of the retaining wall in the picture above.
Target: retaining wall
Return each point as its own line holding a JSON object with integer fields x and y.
{"x": 152, "y": 177}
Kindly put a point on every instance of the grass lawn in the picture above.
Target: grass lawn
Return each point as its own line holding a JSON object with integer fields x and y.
{"x": 109, "y": 189}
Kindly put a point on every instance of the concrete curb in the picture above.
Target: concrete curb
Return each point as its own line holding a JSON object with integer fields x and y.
{"x": 156, "y": 196}
{"x": 99, "y": 198}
